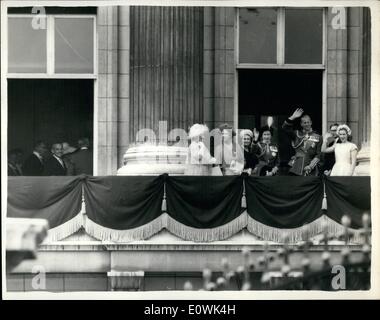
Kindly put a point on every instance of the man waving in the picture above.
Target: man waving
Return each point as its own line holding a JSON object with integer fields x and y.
{"x": 306, "y": 143}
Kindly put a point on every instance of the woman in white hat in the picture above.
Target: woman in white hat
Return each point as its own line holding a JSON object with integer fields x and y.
{"x": 250, "y": 159}
{"x": 199, "y": 161}
{"x": 345, "y": 152}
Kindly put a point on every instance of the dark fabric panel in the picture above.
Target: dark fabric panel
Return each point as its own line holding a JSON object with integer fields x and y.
{"x": 204, "y": 202}
{"x": 123, "y": 202}
{"x": 284, "y": 202}
{"x": 348, "y": 196}
{"x": 57, "y": 199}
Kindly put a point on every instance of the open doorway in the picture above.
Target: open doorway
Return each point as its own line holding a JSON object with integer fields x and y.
{"x": 56, "y": 110}
{"x": 277, "y": 93}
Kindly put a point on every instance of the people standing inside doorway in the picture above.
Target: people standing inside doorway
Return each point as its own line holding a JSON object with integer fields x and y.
{"x": 306, "y": 143}
{"x": 82, "y": 158}
{"x": 14, "y": 162}
{"x": 68, "y": 150}
{"x": 267, "y": 154}
{"x": 54, "y": 165}
{"x": 34, "y": 164}
{"x": 328, "y": 159}
{"x": 345, "y": 152}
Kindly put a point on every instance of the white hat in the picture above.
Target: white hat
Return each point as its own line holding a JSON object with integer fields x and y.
{"x": 246, "y": 132}
{"x": 344, "y": 127}
{"x": 197, "y": 130}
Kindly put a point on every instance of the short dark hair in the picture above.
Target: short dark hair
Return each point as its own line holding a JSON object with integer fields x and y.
{"x": 306, "y": 116}
{"x": 56, "y": 143}
{"x": 15, "y": 151}
{"x": 334, "y": 125}
{"x": 226, "y": 126}
{"x": 83, "y": 142}
{"x": 39, "y": 143}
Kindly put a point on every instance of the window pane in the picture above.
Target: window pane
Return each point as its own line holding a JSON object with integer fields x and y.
{"x": 26, "y": 47}
{"x": 303, "y": 36}
{"x": 257, "y": 35}
{"x": 74, "y": 45}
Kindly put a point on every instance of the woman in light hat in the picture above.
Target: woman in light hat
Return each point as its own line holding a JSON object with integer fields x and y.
{"x": 250, "y": 159}
{"x": 199, "y": 161}
{"x": 229, "y": 154}
{"x": 345, "y": 152}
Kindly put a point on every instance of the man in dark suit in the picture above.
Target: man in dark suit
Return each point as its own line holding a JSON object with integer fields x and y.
{"x": 14, "y": 162}
{"x": 82, "y": 159}
{"x": 328, "y": 159}
{"x": 54, "y": 165}
{"x": 34, "y": 164}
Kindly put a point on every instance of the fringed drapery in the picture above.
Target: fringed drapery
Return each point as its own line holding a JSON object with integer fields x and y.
{"x": 199, "y": 209}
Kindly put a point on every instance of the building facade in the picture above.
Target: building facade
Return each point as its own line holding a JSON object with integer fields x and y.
{"x": 108, "y": 72}
{"x": 142, "y": 65}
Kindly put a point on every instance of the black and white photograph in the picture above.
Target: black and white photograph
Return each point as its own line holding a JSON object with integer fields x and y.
{"x": 185, "y": 149}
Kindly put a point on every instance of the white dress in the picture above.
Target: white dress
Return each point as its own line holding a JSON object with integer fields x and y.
{"x": 199, "y": 160}
{"x": 342, "y": 166}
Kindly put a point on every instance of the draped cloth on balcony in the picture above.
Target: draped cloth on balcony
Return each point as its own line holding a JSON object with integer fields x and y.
{"x": 349, "y": 196}
{"x": 56, "y": 199}
{"x": 202, "y": 209}
{"x": 281, "y": 203}
{"x": 114, "y": 204}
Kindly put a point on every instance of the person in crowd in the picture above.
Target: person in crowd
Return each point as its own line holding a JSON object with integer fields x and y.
{"x": 82, "y": 158}
{"x": 345, "y": 152}
{"x": 306, "y": 143}
{"x": 273, "y": 130}
{"x": 68, "y": 150}
{"x": 34, "y": 164}
{"x": 199, "y": 161}
{"x": 229, "y": 155}
{"x": 250, "y": 159}
{"x": 328, "y": 159}
{"x": 267, "y": 154}
{"x": 14, "y": 162}
{"x": 54, "y": 165}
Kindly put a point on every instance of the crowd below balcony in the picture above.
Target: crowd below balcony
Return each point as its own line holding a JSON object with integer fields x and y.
{"x": 253, "y": 153}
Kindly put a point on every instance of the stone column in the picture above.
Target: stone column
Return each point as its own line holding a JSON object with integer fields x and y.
{"x": 107, "y": 90}
{"x": 208, "y": 66}
{"x": 123, "y": 84}
{"x": 336, "y": 72}
{"x": 364, "y": 25}
{"x": 224, "y": 65}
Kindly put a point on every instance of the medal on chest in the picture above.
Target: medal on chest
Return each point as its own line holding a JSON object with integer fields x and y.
{"x": 273, "y": 150}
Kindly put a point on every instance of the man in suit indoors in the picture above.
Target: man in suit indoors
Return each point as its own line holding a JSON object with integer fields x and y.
{"x": 14, "y": 162}
{"x": 82, "y": 159}
{"x": 34, "y": 164}
{"x": 54, "y": 165}
{"x": 68, "y": 150}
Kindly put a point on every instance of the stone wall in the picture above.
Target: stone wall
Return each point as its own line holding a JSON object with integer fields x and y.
{"x": 345, "y": 72}
{"x": 219, "y": 65}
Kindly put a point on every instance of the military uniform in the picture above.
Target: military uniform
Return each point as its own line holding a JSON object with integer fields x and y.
{"x": 268, "y": 156}
{"x": 307, "y": 147}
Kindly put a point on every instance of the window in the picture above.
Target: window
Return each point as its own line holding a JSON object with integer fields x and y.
{"x": 74, "y": 45}
{"x": 303, "y": 36}
{"x": 65, "y": 45}
{"x": 281, "y": 36}
{"x": 27, "y": 47}
{"x": 258, "y": 32}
